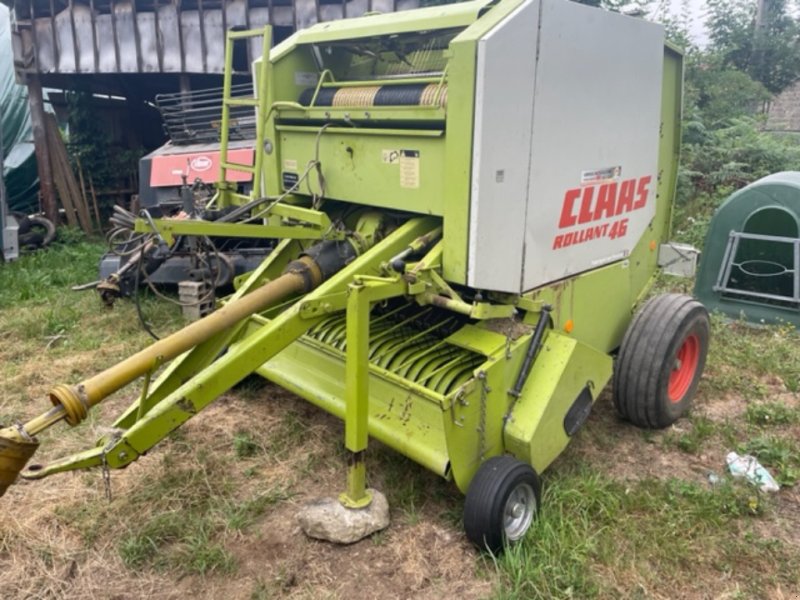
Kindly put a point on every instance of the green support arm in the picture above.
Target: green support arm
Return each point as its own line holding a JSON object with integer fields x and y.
{"x": 171, "y": 228}
{"x": 242, "y": 358}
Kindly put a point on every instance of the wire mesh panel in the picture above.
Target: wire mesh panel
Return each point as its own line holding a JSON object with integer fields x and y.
{"x": 195, "y": 117}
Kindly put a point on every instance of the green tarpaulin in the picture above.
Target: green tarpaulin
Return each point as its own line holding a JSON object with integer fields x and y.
{"x": 19, "y": 165}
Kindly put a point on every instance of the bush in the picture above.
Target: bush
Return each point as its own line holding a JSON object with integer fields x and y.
{"x": 730, "y": 157}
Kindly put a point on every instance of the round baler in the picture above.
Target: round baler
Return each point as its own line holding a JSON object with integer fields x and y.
{"x": 470, "y": 200}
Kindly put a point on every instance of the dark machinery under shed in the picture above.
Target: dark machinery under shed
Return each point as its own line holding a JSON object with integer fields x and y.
{"x": 136, "y": 49}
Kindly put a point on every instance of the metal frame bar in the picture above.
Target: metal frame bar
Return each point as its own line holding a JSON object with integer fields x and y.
{"x": 181, "y": 43}
{"x": 56, "y": 52}
{"x": 263, "y": 102}
{"x": 797, "y": 269}
{"x": 137, "y": 42}
{"x": 210, "y": 374}
{"x": 170, "y": 228}
{"x": 159, "y": 39}
{"x": 113, "y": 12}
{"x": 728, "y": 262}
{"x": 203, "y": 41}
{"x": 75, "y": 52}
{"x": 95, "y": 51}
{"x": 725, "y": 266}
{"x": 360, "y": 295}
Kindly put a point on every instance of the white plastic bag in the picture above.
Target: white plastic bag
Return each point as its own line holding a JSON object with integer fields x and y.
{"x": 748, "y": 466}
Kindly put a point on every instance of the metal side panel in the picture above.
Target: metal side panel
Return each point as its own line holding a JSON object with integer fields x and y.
{"x": 539, "y": 429}
{"x": 595, "y": 142}
{"x": 398, "y": 417}
{"x": 504, "y": 90}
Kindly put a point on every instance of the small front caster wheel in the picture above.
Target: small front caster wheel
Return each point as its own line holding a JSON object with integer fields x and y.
{"x": 502, "y": 501}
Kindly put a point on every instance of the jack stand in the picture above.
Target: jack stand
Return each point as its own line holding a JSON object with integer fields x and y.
{"x": 359, "y": 511}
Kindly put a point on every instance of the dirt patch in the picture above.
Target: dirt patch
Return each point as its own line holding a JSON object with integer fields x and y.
{"x": 632, "y": 454}
{"x": 721, "y": 408}
{"x": 45, "y": 553}
{"x": 425, "y": 560}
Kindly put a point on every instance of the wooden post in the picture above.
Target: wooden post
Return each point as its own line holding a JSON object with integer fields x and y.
{"x": 44, "y": 167}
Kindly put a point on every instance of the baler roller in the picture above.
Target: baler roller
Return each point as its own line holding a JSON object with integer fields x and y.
{"x": 406, "y": 94}
{"x": 409, "y": 341}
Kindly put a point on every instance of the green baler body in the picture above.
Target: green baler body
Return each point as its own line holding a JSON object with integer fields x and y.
{"x": 450, "y": 429}
{"x": 441, "y": 196}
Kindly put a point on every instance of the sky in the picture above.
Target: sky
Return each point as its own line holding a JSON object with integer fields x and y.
{"x": 696, "y": 9}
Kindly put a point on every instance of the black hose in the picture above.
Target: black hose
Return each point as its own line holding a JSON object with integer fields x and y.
{"x": 533, "y": 349}
{"x": 137, "y": 301}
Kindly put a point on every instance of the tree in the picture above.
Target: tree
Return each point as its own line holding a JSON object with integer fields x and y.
{"x": 758, "y": 37}
{"x": 623, "y": 6}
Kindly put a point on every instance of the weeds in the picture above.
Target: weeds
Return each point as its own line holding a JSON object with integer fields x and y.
{"x": 780, "y": 454}
{"x": 651, "y": 535}
{"x": 244, "y": 446}
{"x": 692, "y": 440}
{"x": 772, "y": 413}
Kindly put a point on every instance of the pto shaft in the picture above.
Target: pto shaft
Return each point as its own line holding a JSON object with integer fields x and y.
{"x": 302, "y": 275}
{"x": 72, "y": 402}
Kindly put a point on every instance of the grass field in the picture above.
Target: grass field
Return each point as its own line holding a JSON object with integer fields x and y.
{"x": 210, "y": 512}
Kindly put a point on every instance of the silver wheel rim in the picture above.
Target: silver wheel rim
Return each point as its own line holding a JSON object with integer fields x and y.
{"x": 518, "y": 513}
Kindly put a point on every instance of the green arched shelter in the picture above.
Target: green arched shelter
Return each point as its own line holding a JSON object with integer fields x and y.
{"x": 750, "y": 265}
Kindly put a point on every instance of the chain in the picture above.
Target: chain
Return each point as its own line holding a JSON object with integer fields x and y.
{"x": 485, "y": 389}
{"x": 106, "y": 477}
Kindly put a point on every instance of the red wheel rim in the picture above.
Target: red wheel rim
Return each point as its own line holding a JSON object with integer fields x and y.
{"x": 684, "y": 368}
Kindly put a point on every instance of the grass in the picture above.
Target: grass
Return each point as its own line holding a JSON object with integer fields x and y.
{"x": 700, "y": 429}
{"x": 772, "y": 413}
{"x": 45, "y": 275}
{"x": 741, "y": 358}
{"x": 599, "y": 538}
{"x": 184, "y": 515}
{"x": 244, "y": 445}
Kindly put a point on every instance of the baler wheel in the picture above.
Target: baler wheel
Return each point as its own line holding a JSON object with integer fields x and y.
{"x": 661, "y": 361}
{"x": 502, "y": 501}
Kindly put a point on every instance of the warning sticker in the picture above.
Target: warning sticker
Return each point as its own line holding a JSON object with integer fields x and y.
{"x": 606, "y": 175}
{"x": 289, "y": 180}
{"x": 409, "y": 168}
{"x": 390, "y": 157}
{"x": 290, "y": 164}
{"x": 305, "y": 78}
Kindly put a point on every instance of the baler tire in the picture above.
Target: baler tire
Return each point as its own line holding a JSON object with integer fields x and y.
{"x": 489, "y": 519}
{"x": 49, "y": 233}
{"x": 23, "y": 224}
{"x": 661, "y": 361}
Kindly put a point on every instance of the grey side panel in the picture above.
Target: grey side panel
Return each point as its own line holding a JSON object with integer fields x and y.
{"x": 504, "y": 94}
{"x": 596, "y": 111}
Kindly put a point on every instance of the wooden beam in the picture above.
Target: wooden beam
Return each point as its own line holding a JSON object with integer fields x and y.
{"x": 39, "y": 130}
